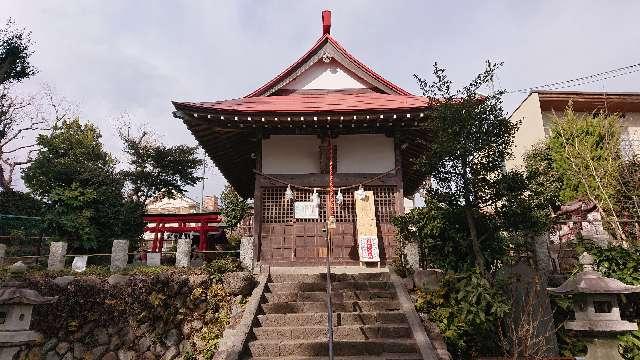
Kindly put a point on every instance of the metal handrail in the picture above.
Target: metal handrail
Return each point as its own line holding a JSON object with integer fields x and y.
{"x": 329, "y": 301}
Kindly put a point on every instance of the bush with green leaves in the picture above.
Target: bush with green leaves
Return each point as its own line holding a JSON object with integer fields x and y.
{"x": 615, "y": 261}
{"x": 442, "y": 236}
{"x": 584, "y": 158}
{"x": 467, "y": 309}
{"x": 217, "y": 268}
{"x": 234, "y": 208}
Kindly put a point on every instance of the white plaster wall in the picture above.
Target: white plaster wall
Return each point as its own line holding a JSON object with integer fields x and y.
{"x": 366, "y": 153}
{"x": 331, "y": 75}
{"x": 291, "y": 154}
{"x": 630, "y": 139}
{"x": 299, "y": 154}
{"x": 530, "y": 132}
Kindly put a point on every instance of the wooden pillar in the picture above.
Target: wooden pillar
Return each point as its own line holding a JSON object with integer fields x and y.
{"x": 257, "y": 200}
{"x": 398, "y": 176}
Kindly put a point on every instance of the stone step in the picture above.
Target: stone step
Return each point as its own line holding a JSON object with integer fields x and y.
{"x": 273, "y": 348}
{"x": 337, "y": 286}
{"x": 384, "y": 356}
{"x": 322, "y": 277}
{"x": 348, "y": 332}
{"x": 337, "y": 296}
{"x": 339, "y": 319}
{"x": 321, "y": 307}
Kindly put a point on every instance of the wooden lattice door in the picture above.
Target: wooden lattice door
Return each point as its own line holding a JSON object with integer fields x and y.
{"x": 289, "y": 241}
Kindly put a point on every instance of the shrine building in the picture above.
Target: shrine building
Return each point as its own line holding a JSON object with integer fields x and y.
{"x": 326, "y": 113}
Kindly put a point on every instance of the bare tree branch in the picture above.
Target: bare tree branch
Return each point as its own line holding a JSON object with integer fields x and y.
{"x": 22, "y": 118}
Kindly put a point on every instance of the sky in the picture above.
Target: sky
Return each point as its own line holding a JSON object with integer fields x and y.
{"x": 133, "y": 57}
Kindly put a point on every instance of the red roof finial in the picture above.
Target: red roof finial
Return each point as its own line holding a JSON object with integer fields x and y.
{"x": 326, "y": 22}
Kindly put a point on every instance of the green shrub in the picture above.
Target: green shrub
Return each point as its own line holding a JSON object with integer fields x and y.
{"x": 615, "y": 261}
{"x": 234, "y": 241}
{"x": 467, "y": 309}
{"x": 216, "y": 268}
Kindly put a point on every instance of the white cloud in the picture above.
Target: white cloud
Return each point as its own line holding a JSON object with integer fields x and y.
{"x": 136, "y": 56}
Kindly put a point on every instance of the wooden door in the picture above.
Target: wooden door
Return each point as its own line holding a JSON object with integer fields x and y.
{"x": 286, "y": 241}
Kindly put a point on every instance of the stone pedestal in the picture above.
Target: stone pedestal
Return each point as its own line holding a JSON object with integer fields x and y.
{"x": 57, "y": 252}
{"x": 153, "y": 259}
{"x": 3, "y": 253}
{"x": 8, "y": 352}
{"x": 428, "y": 278}
{"x": 603, "y": 349}
{"x": 119, "y": 256}
{"x": 183, "y": 253}
{"x": 246, "y": 253}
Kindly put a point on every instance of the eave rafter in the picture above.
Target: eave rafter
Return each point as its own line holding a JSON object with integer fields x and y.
{"x": 233, "y": 147}
{"x": 230, "y": 122}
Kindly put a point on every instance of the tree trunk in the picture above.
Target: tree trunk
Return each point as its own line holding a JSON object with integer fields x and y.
{"x": 475, "y": 242}
{"x": 5, "y": 180}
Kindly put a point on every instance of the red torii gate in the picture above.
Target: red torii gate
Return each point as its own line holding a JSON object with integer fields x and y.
{"x": 182, "y": 223}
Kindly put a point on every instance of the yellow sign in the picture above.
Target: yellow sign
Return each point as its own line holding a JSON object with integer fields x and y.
{"x": 366, "y": 228}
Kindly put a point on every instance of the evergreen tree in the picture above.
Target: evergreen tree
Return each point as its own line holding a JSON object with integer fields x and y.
{"x": 77, "y": 179}
{"x": 156, "y": 168}
{"x": 234, "y": 207}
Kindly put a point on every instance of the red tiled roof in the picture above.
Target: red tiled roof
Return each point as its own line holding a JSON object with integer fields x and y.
{"x": 311, "y": 103}
{"x": 326, "y": 37}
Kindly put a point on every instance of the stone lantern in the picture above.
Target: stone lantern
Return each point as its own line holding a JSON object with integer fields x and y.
{"x": 16, "y": 305}
{"x": 596, "y": 308}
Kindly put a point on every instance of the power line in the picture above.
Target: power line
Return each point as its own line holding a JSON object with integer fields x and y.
{"x": 584, "y": 80}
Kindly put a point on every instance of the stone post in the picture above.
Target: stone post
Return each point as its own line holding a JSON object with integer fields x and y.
{"x": 154, "y": 258}
{"x": 119, "y": 254}
{"x": 183, "y": 253}
{"x": 3, "y": 253}
{"x": 57, "y": 252}
{"x": 542, "y": 256}
{"x": 246, "y": 252}
{"x": 413, "y": 255}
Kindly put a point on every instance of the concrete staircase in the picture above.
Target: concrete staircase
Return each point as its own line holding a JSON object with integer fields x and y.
{"x": 368, "y": 322}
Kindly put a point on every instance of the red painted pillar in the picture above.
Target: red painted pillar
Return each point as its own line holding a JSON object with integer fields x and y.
{"x": 203, "y": 238}
{"x": 161, "y": 240}
{"x": 154, "y": 245}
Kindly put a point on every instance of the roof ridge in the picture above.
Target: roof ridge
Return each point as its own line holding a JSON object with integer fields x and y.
{"x": 305, "y": 57}
{"x": 359, "y": 63}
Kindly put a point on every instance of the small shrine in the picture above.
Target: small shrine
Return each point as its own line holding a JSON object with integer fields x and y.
{"x": 326, "y": 143}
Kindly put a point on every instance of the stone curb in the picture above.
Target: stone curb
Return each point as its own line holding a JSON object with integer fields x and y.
{"x": 424, "y": 343}
{"x": 233, "y": 340}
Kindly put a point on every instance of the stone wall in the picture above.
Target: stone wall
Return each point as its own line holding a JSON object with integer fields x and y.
{"x": 179, "y": 314}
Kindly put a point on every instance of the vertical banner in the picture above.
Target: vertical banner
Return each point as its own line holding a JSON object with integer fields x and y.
{"x": 366, "y": 228}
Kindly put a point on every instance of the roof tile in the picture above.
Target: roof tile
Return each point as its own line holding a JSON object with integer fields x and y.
{"x": 307, "y": 103}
